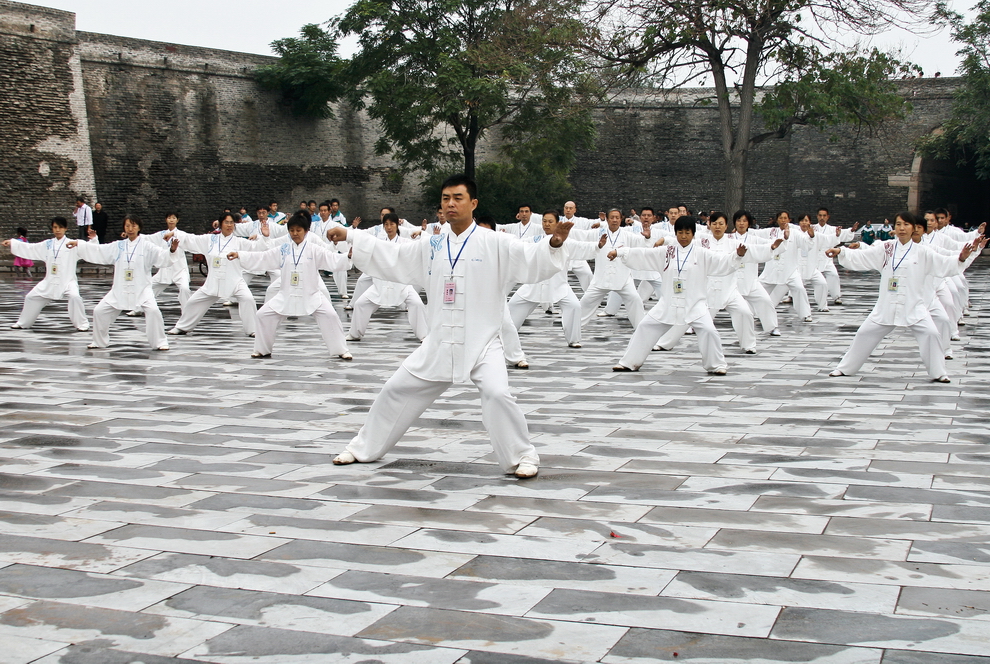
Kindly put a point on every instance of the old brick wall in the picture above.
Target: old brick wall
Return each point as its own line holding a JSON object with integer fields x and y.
{"x": 44, "y": 136}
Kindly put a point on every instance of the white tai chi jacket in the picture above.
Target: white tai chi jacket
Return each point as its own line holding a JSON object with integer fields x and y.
{"x": 685, "y": 271}
{"x": 721, "y": 287}
{"x": 481, "y": 266}
{"x": 828, "y": 231}
{"x": 300, "y": 264}
{"x": 553, "y": 289}
{"x": 132, "y": 263}
{"x": 60, "y": 266}
{"x": 172, "y": 272}
{"x": 906, "y": 288}
{"x": 223, "y": 275}
{"x": 609, "y": 275}
{"x": 389, "y": 293}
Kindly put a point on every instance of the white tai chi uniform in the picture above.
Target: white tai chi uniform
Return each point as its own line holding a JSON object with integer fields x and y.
{"x": 751, "y": 289}
{"x": 610, "y": 275}
{"x": 684, "y": 300}
{"x": 59, "y": 282}
{"x": 826, "y": 264}
{"x": 131, "y": 290}
{"x": 648, "y": 282}
{"x": 580, "y": 268}
{"x": 300, "y": 293}
{"x": 344, "y": 248}
{"x": 555, "y": 290}
{"x": 782, "y": 274}
{"x": 383, "y": 293}
{"x": 224, "y": 279}
{"x": 466, "y": 277}
{"x": 253, "y": 229}
{"x": 810, "y": 249}
{"x": 723, "y": 291}
{"x": 175, "y": 272}
{"x": 906, "y": 290}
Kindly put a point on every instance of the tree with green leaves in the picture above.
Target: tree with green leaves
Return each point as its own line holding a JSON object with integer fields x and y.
{"x": 740, "y": 45}
{"x": 965, "y": 137}
{"x": 440, "y": 75}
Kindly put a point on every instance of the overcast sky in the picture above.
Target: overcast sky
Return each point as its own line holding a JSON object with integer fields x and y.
{"x": 251, "y": 25}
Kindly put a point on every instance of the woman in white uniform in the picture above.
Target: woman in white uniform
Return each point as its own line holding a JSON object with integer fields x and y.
{"x": 60, "y": 277}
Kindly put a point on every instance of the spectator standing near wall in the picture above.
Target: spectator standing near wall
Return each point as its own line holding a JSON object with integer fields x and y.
{"x": 84, "y": 217}
{"x": 101, "y": 220}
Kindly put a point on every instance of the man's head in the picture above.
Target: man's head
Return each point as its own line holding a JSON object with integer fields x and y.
{"x": 647, "y": 217}
{"x": 390, "y": 222}
{"x": 303, "y": 206}
{"x": 459, "y": 198}
{"x": 684, "y": 230}
{"x": 487, "y": 222}
{"x": 98, "y": 207}
{"x": 80, "y": 201}
{"x": 262, "y": 214}
{"x": 673, "y": 213}
{"x": 59, "y": 226}
{"x": 804, "y": 221}
{"x": 783, "y": 219}
{"x": 171, "y": 220}
{"x": 273, "y": 206}
{"x": 523, "y": 213}
{"x": 683, "y": 211}
{"x": 931, "y": 223}
{"x": 299, "y": 225}
{"x": 384, "y": 211}
{"x": 614, "y": 219}
{"x": 132, "y": 227}
{"x": 334, "y": 206}
{"x": 311, "y": 207}
{"x": 943, "y": 216}
{"x": 823, "y": 216}
{"x": 324, "y": 211}
{"x": 570, "y": 209}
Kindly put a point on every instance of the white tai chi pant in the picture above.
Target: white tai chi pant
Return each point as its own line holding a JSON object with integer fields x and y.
{"x": 819, "y": 286}
{"x": 870, "y": 334}
{"x": 340, "y": 281}
{"x": 944, "y": 294}
{"x": 326, "y": 319}
{"x": 593, "y": 297}
{"x": 200, "y": 302}
{"x": 799, "y": 296}
{"x": 364, "y": 307}
{"x": 570, "y": 314}
{"x": 943, "y": 323}
{"x": 362, "y": 284}
{"x": 404, "y": 398}
{"x": 645, "y": 288}
{"x": 104, "y": 315}
{"x": 650, "y": 330}
{"x": 509, "y": 335}
{"x": 832, "y": 280}
{"x": 742, "y": 322}
{"x": 184, "y": 292}
{"x": 33, "y": 304}
{"x": 762, "y": 306}
{"x": 583, "y": 273}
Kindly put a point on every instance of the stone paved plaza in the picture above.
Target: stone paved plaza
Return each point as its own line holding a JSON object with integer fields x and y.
{"x": 181, "y": 507}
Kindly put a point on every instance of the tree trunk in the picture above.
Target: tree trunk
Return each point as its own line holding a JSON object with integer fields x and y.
{"x": 470, "y": 145}
{"x": 469, "y": 161}
{"x": 735, "y": 180}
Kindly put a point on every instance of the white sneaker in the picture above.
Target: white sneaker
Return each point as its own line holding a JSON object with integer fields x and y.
{"x": 835, "y": 374}
{"x": 949, "y": 356}
{"x": 163, "y": 347}
{"x": 774, "y": 332}
{"x": 176, "y": 331}
{"x": 838, "y": 300}
{"x": 348, "y": 307}
{"x": 15, "y": 326}
{"x": 522, "y": 365}
{"x": 941, "y": 379}
{"x": 750, "y": 351}
{"x": 807, "y": 319}
{"x": 352, "y": 338}
{"x": 92, "y": 346}
{"x": 604, "y": 314}
{"x": 955, "y": 337}
{"x": 344, "y": 458}
{"x": 690, "y": 330}
{"x": 134, "y": 314}
{"x": 346, "y": 356}
{"x": 718, "y": 372}
{"x": 526, "y": 470}
{"x": 822, "y": 308}
{"x": 84, "y": 328}
{"x": 574, "y": 345}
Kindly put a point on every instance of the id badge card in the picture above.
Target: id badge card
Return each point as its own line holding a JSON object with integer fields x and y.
{"x": 449, "y": 292}
{"x": 776, "y": 257}
{"x": 128, "y": 275}
{"x": 217, "y": 262}
{"x": 892, "y": 284}
{"x": 54, "y": 268}
{"x": 294, "y": 279}
{"x": 678, "y": 286}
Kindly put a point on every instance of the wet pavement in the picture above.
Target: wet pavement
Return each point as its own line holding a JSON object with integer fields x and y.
{"x": 181, "y": 507}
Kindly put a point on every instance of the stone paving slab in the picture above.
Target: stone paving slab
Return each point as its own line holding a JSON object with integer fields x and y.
{"x": 181, "y": 507}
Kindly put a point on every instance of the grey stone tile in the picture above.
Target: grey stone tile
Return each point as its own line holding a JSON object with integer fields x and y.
{"x": 700, "y": 560}
{"x": 22, "y": 649}
{"x": 441, "y": 518}
{"x": 908, "y": 657}
{"x": 926, "y": 575}
{"x": 392, "y": 496}
{"x": 915, "y": 530}
{"x": 819, "y": 545}
{"x": 652, "y": 645}
{"x": 341, "y": 556}
{"x": 497, "y": 544}
{"x": 185, "y": 540}
{"x": 56, "y": 527}
{"x": 95, "y": 654}
{"x": 319, "y": 529}
{"x": 581, "y": 509}
{"x": 511, "y": 635}
{"x": 69, "y": 555}
{"x": 852, "y": 508}
{"x": 940, "y": 602}
{"x": 260, "y": 645}
{"x": 75, "y": 587}
{"x": 950, "y": 552}
{"x": 752, "y": 520}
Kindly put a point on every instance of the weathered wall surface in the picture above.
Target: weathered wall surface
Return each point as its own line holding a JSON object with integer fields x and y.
{"x": 664, "y": 151}
{"x": 44, "y": 137}
{"x": 150, "y": 128}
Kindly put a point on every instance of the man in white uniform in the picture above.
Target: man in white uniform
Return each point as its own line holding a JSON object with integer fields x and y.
{"x": 906, "y": 290}
{"x": 528, "y": 225}
{"x": 611, "y": 275}
{"x": 827, "y": 265}
{"x": 299, "y": 261}
{"x": 132, "y": 260}
{"x": 177, "y": 270}
{"x": 782, "y": 274}
{"x": 60, "y": 277}
{"x": 224, "y": 279}
{"x": 466, "y": 273}
{"x": 580, "y": 268}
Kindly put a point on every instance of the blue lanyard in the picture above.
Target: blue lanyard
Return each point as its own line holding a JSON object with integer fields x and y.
{"x": 55, "y": 251}
{"x": 131, "y": 255}
{"x": 453, "y": 261}
{"x": 680, "y": 265}
{"x": 894, "y": 268}
{"x": 612, "y": 241}
{"x": 295, "y": 261}
{"x": 219, "y": 248}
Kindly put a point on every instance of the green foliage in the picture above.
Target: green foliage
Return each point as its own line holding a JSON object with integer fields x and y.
{"x": 308, "y": 73}
{"x": 966, "y": 136}
{"x": 824, "y": 90}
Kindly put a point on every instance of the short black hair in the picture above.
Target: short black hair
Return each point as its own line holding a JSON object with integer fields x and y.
{"x": 741, "y": 214}
{"x": 59, "y": 221}
{"x": 390, "y": 216}
{"x": 824, "y": 209}
{"x": 485, "y": 220}
{"x": 642, "y": 210}
{"x": 312, "y": 202}
{"x": 941, "y": 211}
{"x": 912, "y": 219}
{"x": 334, "y": 200}
{"x": 226, "y": 213}
{"x": 391, "y": 210}
{"x": 556, "y": 215}
{"x": 300, "y": 219}
{"x": 80, "y": 199}
{"x": 716, "y": 215}
{"x": 461, "y": 179}
{"x": 686, "y": 223}
{"x": 133, "y": 219}
{"x": 524, "y": 205}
